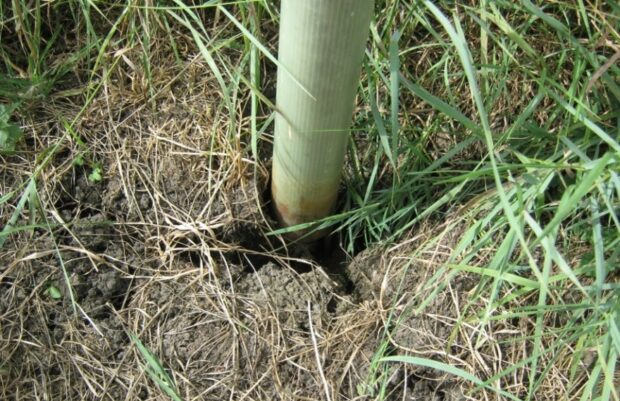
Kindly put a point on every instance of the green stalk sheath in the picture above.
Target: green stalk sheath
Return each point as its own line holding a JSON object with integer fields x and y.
{"x": 320, "y": 55}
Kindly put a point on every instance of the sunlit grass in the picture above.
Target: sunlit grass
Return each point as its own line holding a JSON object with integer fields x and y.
{"x": 548, "y": 178}
{"x": 501, "y": 116}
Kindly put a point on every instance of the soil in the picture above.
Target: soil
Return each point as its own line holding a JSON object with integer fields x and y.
{"x": 225, "y": 317}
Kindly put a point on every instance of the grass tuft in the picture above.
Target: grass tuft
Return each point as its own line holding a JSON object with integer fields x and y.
{"x": 481, "y": 178}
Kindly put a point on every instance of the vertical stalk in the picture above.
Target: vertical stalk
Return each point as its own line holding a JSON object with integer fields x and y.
{"x": 320, "y": 54}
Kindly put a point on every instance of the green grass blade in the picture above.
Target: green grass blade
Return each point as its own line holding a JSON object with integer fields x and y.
{"x": 610, "y": 384}
{"x": 156, "y": 371}
{"x": 449, "y": 369}
{"x": 394, "y": 90}
{"x": 552, "y": 251}
{"x": 206, "y": 54}
{"x": 501, "y": 275}
{"x": 585, "y": 121}
{"x": 383, "y": 134}
{"x": 568, "y": 203}
{"x": 21, "y": 204}
{"x": 440, "y": 105}
{"x": 599, "y": 251}
{"x": 467, "y": 63}
{"x": 6, "y": 197}
{"x": 255, "y": 79}
{"x": 262, "y": 48}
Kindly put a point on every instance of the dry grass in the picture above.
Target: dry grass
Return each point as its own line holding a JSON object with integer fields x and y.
{"x": 172, "y": 245}
{"x": 163, "y": 246}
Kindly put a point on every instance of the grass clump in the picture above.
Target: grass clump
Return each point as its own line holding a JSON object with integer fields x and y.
{"x": 530, "y": 102}
{"x": 484, "y": 162}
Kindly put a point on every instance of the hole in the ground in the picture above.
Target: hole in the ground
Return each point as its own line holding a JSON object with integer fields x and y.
{"x": 254, "y": 249}
{"x": 194, "y": 257}
{"x": 328, "y": 252}
{"x": 332, "y": 305}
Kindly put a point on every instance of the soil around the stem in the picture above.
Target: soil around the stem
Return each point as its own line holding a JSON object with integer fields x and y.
{"x": 224, "y": 321}
{"x": 226, "y": 309}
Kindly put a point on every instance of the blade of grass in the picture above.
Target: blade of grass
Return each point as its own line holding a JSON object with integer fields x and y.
{"x": 21, "y": 204}
{"x": 255, "y": 79}
{"x": 206, "y": 54}
{"x": 568, "y": 203}
{"x": 440, "y": 105}
{"x": 599, "y": 252}
{"x": 509, "y": 277}
{"x": 262, "y": 48}
{"x": 155, "y": 370}
{"x": 383, "y": 134}
{"x": 394, "y": 91}
{"x": 449, "y": 369}
{"x": 585, "y": 121}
